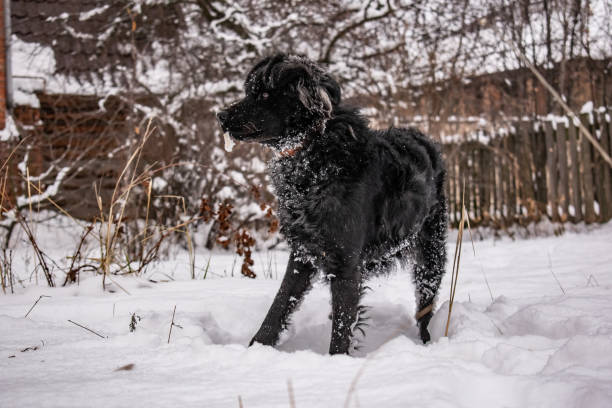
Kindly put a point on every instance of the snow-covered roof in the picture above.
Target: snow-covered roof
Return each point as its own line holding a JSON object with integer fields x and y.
{"x": 34, "y": 69}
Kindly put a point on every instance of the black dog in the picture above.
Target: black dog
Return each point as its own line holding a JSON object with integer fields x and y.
{"x": 351, "y": 200}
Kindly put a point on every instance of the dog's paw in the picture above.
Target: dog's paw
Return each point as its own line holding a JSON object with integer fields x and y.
{"x": 264, "y": 340}
{"x": 424, "y": 333}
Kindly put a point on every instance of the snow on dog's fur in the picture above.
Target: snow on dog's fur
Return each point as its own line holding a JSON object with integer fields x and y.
{"x": 352, "y": 200}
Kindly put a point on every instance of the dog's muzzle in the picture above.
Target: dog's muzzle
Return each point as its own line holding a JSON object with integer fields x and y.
{"x": 222, "y": 116}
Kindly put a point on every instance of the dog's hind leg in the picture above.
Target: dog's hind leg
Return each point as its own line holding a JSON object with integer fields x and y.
{"x": 297, "y": 281}
{"x": 429, "y": 266}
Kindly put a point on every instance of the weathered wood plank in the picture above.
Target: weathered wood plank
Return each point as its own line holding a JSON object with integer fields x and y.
{"x": 587, "y": 176}
{"x": 472, "y": 187}
{"x": 576, "y": 185}
{"x": 450, "y": 180}
{"x": 551, "y": 171}
{"x": 496, "y": 163}
{"x": 563, "y": 190}
{"x": 459, "y": 177}
{"x": 464, "y": 195}
{"x": 476, "y": 186}
{"x": 512, "y": 179}
{"x": 604, "y": 189}
{"x": 498, "y": 166}
{"x": 487, "y": 184}
{"x": 539, "y": 153}
{"x": 606, "y": 136}
{"x": 526, "y": 183}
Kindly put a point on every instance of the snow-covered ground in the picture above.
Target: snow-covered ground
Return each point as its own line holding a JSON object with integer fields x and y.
{"x": 541, "y": 337}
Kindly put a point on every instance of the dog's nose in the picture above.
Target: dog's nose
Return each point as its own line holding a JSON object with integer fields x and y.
{"x": 222, "y": 116}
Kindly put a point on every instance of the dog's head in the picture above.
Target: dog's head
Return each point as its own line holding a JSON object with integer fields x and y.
{"x": 286, "y": 98}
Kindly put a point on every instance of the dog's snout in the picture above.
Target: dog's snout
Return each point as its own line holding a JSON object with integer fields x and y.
{"x": 222, "y": 116}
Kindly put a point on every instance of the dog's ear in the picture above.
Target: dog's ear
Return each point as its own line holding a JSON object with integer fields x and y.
{"x": 327, "y": 103}
{"x": 287, "y": 73}
{"x": 314, "y": 98}
{"x": 332, "y": 88}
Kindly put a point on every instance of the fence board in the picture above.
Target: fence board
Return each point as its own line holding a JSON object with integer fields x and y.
{"x": 563, "y": 190}
{"x": 535, "y": 170}
{"x": 575, "y": 172}
{"x": 587, "y": 176}
{"x": 551, "y": 171}
{"x": 525, "y": 162}
{"x": 602, "y": 175}
{"x": 487, "y": 184}
{"x": 539, "y": 153}
{"x": 499, "y": 186}
{"x": 458, "y": 178}
{"x": 469, "y": 186}
{"x": 450, "y": 177}
{"x": 475, "y": 184}
{"x": 606, "y": 139}
{"x": 512, "y": 178}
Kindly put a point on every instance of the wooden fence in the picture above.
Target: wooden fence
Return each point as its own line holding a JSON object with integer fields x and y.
{"x": 539, "y": 170}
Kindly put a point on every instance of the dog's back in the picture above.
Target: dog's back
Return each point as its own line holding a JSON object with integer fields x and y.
{"x": 411, "y": 173}
{"x": 399, "y": 172}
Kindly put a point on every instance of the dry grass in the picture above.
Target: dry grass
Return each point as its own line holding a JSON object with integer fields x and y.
{"x": 117, "y": 206}
{"x": 111, "y": 225}
{"x": 172, "y": 324}
{"x": 550, "y": 268}
{"x": 34, "y": 305}
{"x": 465, "y": 219}
{"x": 88, "y": 329}
{"x": 291, "y": 394}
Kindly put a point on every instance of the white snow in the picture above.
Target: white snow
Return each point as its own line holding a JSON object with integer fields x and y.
{"x": 587, "y": 107}
{"x": 33, "y": 68}
{"x": 542, "y": 337}
{"x": 88, "y": 14}
{"x": 159, "y": 183}
{"x": 10, "y": 131}
{"x": 50, "y": 191}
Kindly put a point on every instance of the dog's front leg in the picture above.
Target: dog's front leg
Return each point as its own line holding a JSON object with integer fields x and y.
{"x": 297, "y": 281}
{"x": 345, "y": 306}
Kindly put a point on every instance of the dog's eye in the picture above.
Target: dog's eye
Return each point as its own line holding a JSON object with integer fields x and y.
{"x": 265, "y": 96}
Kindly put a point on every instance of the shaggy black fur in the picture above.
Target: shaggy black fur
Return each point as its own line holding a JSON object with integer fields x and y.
{"x": 351, "y": 200}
